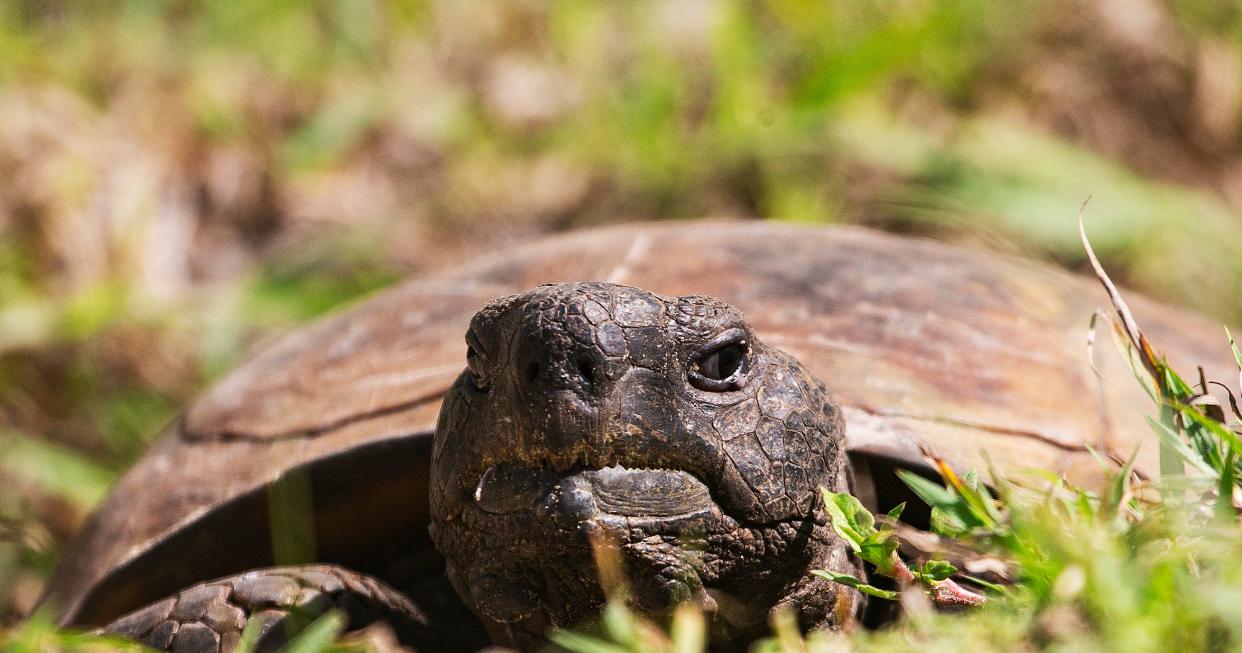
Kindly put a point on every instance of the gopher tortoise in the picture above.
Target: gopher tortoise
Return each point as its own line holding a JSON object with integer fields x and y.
{"x": 598, "y": 422}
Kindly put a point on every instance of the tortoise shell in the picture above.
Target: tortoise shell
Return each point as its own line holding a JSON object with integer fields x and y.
{"x": 973, "y": 355}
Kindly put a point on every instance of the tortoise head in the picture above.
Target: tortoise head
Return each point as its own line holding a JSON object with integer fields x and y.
{"x": 602, "y": 422}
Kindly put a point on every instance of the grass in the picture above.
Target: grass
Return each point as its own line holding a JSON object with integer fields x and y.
{"x": 1140, "y": 565}
{"x": 182, "y": 180}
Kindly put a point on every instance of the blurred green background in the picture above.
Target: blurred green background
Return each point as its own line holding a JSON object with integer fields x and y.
{"x": 179, "y": 180}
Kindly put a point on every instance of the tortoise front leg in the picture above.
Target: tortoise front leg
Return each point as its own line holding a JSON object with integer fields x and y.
{"x": 209, "y": 617}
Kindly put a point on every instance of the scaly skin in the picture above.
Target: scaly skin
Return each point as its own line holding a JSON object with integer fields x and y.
{"x": 577, "y": 425}
{"x": 209, "y": 617}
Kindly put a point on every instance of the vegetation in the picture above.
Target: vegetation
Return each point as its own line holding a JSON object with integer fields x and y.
{"x": 179, "y": 180}
{"x": 1144, "y": 565}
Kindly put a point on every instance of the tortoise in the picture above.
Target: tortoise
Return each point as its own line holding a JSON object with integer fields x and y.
{"x": 595, "y": 421}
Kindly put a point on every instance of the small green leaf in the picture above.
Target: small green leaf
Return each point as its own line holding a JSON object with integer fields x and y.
{"x": 840, "y": 524}
{"x": 878, "y": 549}
{"x": 860, "y": 518}
{"x": 964, "y": 507}
{"x": 895, "y": 513}
{"x": 851, "y": 521}
{"x": 936, "y": 570}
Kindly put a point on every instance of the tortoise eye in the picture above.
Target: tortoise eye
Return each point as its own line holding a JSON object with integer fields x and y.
{"x": 721, "y": 366}
{"x": 475, "y": 367}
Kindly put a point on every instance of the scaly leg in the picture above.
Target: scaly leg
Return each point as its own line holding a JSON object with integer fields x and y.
{"x": 209, "y": 617}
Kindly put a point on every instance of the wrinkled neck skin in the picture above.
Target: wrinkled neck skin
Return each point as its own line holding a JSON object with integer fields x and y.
{"x": 602, "y": 431}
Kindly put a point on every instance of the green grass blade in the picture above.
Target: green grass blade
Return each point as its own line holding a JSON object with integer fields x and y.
{"x": 932, "y": 494}
{"x": 1170, "y": 458}
{"x": 1175, "y": 442}
{"x": 579, "y": 643}
{"x": 1224, "y": 489}
{"x": 850, "y": 581}
{"x": 621, "y": 624}
{"x": 249, "y": 639}
{"x": 318, "y": 636}
{"x": 1237, "y": 354}
{"x": 688, "y": 631}
{"x": 1117, "y": 488}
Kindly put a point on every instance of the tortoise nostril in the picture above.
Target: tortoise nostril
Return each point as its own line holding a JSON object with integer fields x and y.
{"x": 533, "y": 370}
{"x": 586, "y": 368}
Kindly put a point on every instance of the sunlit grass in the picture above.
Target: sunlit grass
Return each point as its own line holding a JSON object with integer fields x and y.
{"x": 182, "y": 180}
{"x": 1137, "y": 565}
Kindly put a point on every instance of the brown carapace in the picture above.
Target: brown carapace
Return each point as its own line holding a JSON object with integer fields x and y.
{"x": 567, "y": 423}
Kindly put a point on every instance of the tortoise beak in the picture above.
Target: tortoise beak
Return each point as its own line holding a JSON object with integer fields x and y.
{"x": 577, "y": 497}
{"x": 647, "y": 492}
